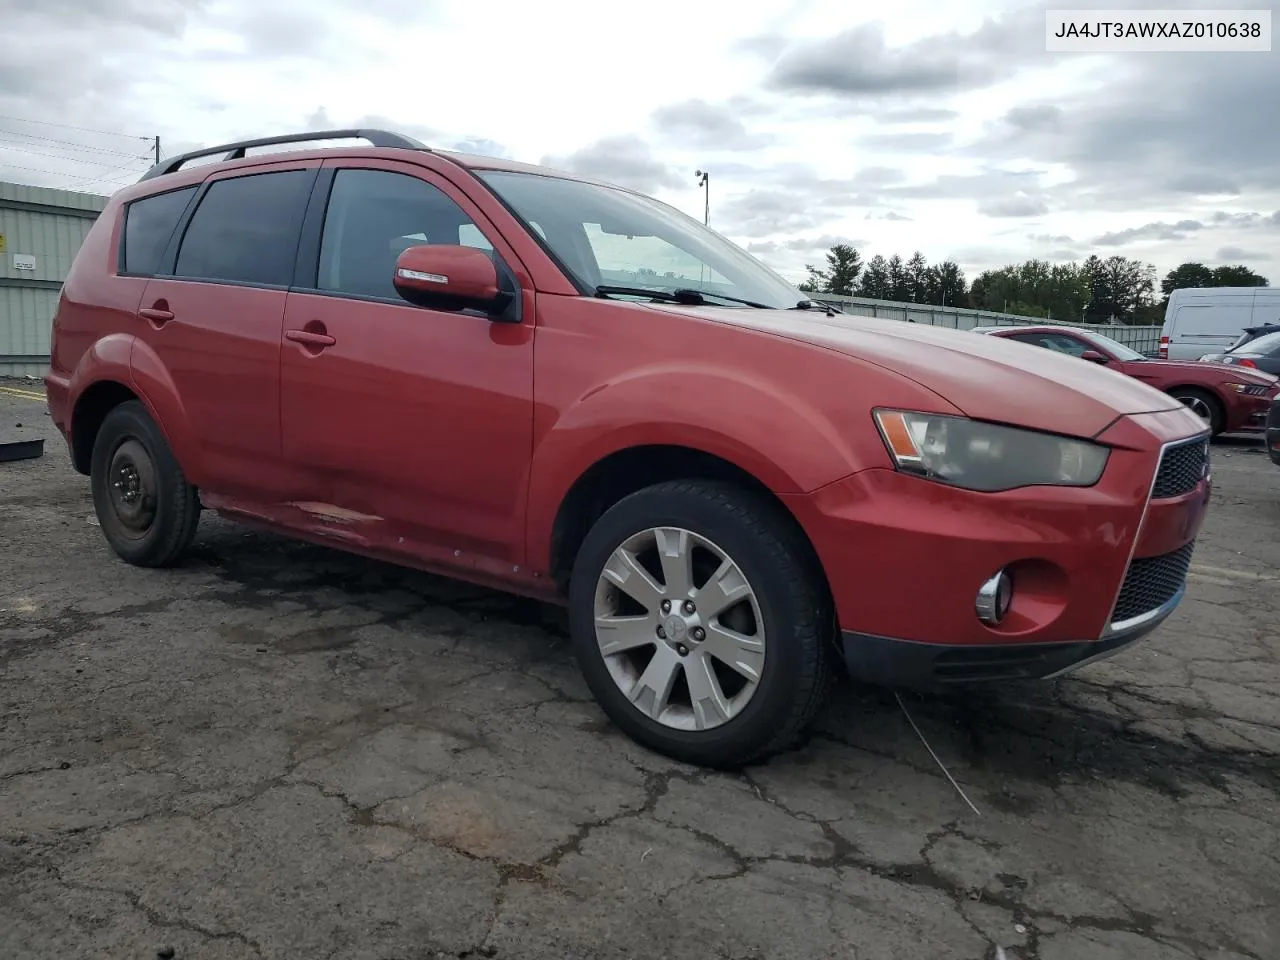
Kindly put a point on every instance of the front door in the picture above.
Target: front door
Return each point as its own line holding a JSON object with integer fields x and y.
{"x": 411, "y": 429}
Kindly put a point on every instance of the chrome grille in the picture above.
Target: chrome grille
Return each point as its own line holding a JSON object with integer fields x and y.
{"x": 1181, "y": 468}
{"x": 1151, "y": 582}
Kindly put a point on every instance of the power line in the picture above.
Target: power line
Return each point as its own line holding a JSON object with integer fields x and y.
{"x": 55, "y": 156}
{"x": 117, "y": 180}
{"x": 59, "y": 145}
{"x": 69, "y": 144}
{"x": 67, "y": 126}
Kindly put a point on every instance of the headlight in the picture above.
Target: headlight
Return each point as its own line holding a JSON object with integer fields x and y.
{"x": 1250, "y": 389}
{"x": 987, "y": 456}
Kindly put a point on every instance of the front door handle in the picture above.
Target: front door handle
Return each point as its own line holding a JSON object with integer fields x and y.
{"x": 310, "y": 338}
{"x": 155, "y": 314}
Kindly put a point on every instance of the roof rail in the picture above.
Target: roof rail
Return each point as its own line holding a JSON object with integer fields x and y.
{"x": 235, "y": 151}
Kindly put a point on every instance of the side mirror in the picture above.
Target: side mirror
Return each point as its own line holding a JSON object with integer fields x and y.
{"x": 449, "y": 277}
{"x": 1093, "y": 356}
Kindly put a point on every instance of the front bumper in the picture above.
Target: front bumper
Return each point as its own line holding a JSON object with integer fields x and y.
{"x": 891, "y": 662}
{"x": 1094, "y": 569}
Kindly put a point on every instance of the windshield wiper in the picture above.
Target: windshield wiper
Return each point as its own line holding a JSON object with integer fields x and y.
{"x": 815, "y": 305}
{"x": 687, "y": 296}
{"x": 688, "y": 291}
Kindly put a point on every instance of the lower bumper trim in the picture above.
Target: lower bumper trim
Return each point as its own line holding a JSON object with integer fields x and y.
{"x": 892, "y": 662}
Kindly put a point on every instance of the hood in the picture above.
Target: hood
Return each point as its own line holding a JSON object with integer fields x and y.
{"x": 1208, "y": 370}
{"x": 988, "y": 378}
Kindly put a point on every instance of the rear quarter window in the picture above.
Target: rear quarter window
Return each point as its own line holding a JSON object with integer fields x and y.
{"x": 148, "y": 225}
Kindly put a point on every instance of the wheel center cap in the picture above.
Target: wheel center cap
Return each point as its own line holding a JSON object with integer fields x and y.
{"x": 675, "y": 627}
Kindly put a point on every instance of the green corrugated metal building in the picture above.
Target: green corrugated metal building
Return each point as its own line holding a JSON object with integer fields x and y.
{"x": 40, "y": 231}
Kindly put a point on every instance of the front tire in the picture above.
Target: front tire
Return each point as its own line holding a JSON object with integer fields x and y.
{"x": 700, "y": 624}
{"x": 1204, "y": 405}
{"x": 147, "y": 510}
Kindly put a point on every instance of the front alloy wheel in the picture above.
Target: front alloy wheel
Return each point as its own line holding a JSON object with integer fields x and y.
{"x": 686, "y": 647}
{"x": 701, "y": 622}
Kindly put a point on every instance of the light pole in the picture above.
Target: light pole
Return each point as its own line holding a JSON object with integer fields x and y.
{"x": 704, "y": 180}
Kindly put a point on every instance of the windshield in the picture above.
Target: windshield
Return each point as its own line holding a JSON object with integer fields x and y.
{"x": 606, "y": 236}
{"x": 1263, "y": 346}
{"x": 1114, "y": 347}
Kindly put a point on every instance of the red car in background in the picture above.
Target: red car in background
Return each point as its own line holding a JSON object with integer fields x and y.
{"x": 1230, "y": 399}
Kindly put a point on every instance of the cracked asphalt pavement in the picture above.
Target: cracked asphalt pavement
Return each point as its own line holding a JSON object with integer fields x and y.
{"x": 279, "y": 751}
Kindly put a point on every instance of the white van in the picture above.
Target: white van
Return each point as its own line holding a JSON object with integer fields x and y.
{"x": 1202, "y": 320}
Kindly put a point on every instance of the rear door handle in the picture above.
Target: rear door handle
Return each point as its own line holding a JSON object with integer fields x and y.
{"x": 312, "y": 339}
{"x": 156, "y": 314}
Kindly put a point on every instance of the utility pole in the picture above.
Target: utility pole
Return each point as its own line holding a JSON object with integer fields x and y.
{"x": 705, "y": 182}
{"x": 157, "y": 149}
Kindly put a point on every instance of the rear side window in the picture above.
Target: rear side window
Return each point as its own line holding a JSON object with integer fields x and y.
{"x": 246, "y": 229}
{"x": 148, "y": 225}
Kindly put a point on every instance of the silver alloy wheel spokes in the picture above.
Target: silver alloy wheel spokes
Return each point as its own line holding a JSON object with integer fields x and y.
{"x": 679, "y": 628}
{"x": 1198, "y": 407}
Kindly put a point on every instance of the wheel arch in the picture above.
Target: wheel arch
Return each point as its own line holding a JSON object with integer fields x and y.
{"x": 631, "y": 468}
{"x": 115, "y": 370}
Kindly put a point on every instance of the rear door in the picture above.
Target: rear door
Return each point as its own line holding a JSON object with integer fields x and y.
{"x": 410, "y": 429}
{"x": 213, "y": 320}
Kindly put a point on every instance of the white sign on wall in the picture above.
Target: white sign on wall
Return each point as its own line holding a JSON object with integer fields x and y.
{"x": 22, "y": 261}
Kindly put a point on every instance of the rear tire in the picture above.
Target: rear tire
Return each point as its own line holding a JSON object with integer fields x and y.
{"x": 1203, "y": 404}
{"x": 757, "y": 610}
{"x": 147, "y": 510}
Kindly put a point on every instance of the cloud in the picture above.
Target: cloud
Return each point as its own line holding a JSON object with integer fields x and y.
{"x": 805, "y": 245}
{"x": 921, "y": 114}
{"x": 907, "y": 142}
{"x": 1204, "y": 185}
{"x": 1182, "y": 229}
{"x": 1152, "y": 129}
{"x": 891, "y": 215}
{"x": 794, "y": 198}
{"x": 859, "y": 63}
{"x": 1239, "y": 254}
{"x": 697, "y": 123}
{"x": 626, "y": 160}
{"x": 1149, "y": 231}
{"x": 1019, "y": 205}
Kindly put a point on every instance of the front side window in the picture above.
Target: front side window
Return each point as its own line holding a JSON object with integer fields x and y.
{"x": 148, "y": 225}
{"x": 1113, "y": 347}
{"x": 612, "y": 237}
{"x": 246, "y": 229}
{"x": 374, "y": 216}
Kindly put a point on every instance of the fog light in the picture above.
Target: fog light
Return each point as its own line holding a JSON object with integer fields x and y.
{"x": 994, "y": 598}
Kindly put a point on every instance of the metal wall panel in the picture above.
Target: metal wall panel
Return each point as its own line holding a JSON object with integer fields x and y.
{"x": 42, "y": 231}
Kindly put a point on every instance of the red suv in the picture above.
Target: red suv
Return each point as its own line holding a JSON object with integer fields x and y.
{"x": 568, "y": 390}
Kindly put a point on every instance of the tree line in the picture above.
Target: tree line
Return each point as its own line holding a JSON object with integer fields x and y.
{"x": 1097, "y": 290}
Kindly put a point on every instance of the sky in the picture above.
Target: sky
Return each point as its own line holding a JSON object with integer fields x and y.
{"x": 932, "y": 126}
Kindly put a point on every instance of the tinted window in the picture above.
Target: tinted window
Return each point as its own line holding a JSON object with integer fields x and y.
{"x": 1053, "y": 341}
{"x": 246, "y": 229}
{"x": 148, "y": 225}
{"x": 373, "y": 216}
{"x": 1263, "y": 346}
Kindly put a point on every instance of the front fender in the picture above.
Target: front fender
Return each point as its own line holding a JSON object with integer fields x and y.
{"x": 759, "y": 426}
